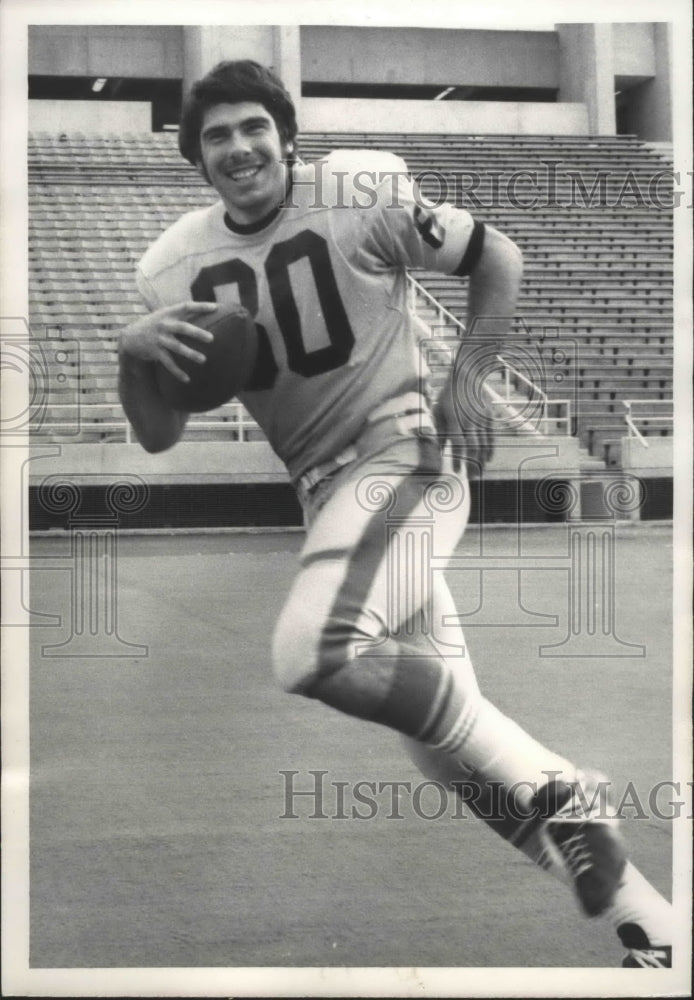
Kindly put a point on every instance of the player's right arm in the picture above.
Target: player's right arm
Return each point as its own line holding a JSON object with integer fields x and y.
{"x": 151, "y": 340}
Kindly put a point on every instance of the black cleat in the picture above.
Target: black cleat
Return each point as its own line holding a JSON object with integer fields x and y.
{"x": 641, "y": 953}
{"x": 578, "y": 834}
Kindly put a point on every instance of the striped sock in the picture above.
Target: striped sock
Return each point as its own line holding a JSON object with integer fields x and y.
{"x": 482, "y": 739}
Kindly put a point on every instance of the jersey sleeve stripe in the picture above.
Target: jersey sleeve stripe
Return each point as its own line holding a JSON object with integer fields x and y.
{"x": 473, "y": 251}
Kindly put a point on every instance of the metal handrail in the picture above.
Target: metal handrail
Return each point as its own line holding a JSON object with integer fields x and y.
{"x": 241, "y": 421}
{"x": 509, "y": 369}
{"x": 546, "y": 402}
{"x": 231, "y": 415}
{"x": 415, "y": 288}
{"x": 633, "y": 430}
{"x": 647, "y": 402}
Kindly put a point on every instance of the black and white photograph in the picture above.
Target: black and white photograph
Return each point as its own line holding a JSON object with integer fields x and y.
{"x": 346, "y": 499}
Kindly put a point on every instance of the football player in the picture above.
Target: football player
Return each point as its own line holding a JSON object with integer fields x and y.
{"x": 318, "y": 254}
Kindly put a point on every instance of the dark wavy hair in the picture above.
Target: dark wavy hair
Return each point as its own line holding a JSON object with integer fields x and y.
{"x": 233, "y": 82}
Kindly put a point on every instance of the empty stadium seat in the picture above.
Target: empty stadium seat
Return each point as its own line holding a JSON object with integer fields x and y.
{"x": 597, "y": 246}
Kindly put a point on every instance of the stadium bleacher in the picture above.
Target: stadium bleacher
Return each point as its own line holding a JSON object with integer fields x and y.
{"x": 591, "y": 214}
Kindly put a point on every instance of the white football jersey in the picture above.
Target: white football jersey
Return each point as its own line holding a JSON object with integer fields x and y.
{"x": 325, "y": 280}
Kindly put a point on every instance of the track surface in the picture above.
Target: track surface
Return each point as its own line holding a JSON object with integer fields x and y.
{"x": 157, "y": 792}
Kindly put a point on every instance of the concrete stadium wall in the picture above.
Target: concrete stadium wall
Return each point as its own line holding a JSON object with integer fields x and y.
{"x": 217, "y": 462}
{"x": 655, "y": 460}
{"x": 649, "y": 110}
{"x": 106, "y": 50}
{"x": 454, "y": 117}
{"x": 189, "y": 462}
{"x": 95, "y": 117}
{"x": 633, "y": 47}
{"x": 583, "y": 61}
{"x": 337, "y": 54}
{"x": 275, "y": 46}
{"x": 587, "y": 73}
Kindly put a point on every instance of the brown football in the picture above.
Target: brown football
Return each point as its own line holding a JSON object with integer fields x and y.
{"x": 231, "y": 359}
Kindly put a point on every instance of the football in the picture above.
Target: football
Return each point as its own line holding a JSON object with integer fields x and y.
{"x": 231, "y": 358}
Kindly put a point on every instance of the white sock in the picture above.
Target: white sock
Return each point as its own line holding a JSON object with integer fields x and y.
{"x": 501, "y": 750}
{"x": 638, "y": 902}
{"x": 496, "y": 747}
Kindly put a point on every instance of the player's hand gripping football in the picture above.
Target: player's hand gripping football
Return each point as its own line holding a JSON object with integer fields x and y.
{"x": 464, "y": 420}
{"x": 155, "y": 337}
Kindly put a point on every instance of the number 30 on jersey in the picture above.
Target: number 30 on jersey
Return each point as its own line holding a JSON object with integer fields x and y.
{"x": 305, "y": 245}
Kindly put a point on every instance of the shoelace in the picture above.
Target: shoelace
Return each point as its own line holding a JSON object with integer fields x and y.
{"x": 576, "y": 853}
{"x": 648, "y": 958}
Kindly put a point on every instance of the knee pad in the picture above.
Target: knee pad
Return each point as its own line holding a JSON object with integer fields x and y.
{"x": 414, "y": 694}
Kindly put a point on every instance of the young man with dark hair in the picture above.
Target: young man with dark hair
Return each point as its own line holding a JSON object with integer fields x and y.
{"x": 247, "y": 81}
{"x": 339, "y": 391}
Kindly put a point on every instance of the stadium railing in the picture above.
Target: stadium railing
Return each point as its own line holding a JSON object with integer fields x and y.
{"x": 103, "y": 421}
{"x": 598, "y": 258}
{"x": 641, "y": 411}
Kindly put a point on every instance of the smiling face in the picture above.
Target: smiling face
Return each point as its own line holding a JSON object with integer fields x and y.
{"x": 242, "y": 157}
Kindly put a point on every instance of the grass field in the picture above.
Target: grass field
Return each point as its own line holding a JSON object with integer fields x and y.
{"x": 157, "y": 789}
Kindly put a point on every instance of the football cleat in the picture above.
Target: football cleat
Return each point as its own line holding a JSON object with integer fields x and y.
{"x": 641, "y": 953}
{"x": 578, "y": 835}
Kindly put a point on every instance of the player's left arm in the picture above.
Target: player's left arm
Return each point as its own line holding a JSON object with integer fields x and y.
{"x": 410, "y": 231}
{"x": 462, "y": 414}
{"x": 494, "y": 286}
